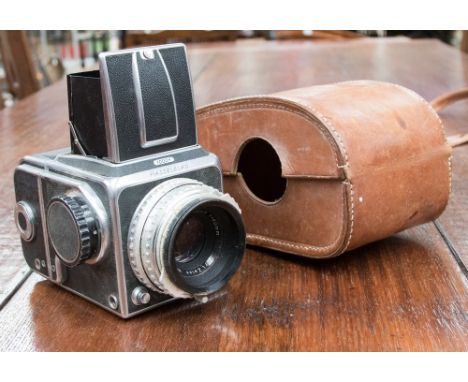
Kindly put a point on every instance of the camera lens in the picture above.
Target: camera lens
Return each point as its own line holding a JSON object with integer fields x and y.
{"x": 216, "y": 237}
{"x": 186, "y": 238}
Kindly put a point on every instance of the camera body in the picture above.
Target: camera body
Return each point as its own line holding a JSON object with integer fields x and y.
{"x": 133, "y": 215}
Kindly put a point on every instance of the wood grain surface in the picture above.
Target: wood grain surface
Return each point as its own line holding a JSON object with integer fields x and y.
{"x": 407, "y": 292}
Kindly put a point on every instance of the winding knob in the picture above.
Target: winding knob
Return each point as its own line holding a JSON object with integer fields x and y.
{"x": 72, "y": 229}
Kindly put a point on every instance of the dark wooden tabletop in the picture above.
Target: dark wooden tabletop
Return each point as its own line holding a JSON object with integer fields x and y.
{"x": 408, "y": 292}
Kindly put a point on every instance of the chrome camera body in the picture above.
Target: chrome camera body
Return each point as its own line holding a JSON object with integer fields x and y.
{"x": 133, "y": 214}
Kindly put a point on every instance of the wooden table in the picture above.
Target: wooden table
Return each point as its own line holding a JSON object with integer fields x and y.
{"x": 408, "y": 292}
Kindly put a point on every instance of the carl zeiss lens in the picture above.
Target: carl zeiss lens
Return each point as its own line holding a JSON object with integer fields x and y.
{"x": 205, "y": 247}
{"x": 186, "y": 238}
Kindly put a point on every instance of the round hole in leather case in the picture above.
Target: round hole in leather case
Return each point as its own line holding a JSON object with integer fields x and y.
{"x": 362, "y": 161}
{"x": 260, "y": 167}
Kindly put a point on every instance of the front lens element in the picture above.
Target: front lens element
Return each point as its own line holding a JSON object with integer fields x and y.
{"x": 190, "y": 239}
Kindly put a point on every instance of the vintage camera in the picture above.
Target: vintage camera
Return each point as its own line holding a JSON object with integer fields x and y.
{"x": 133, "y": 215}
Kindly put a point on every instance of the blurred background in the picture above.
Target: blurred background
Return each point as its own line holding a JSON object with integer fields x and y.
{"x": 31, "y": 60}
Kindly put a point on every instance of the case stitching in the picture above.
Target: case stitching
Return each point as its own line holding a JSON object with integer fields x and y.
{"x": 342, "y": 146}
{"x": 299, "y": 246}
{"x": 205, "y": 115}
{"x": 289, "y": 244}
{"x": 440, "y": 124}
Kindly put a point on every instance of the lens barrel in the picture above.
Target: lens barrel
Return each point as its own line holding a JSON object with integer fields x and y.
{"x": 186, "y": 239}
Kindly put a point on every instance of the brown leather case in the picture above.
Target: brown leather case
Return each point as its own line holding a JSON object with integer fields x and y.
{"x": 355, "y": 161}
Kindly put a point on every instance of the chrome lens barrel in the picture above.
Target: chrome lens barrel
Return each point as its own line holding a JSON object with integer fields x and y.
{"x": 186, "y": 239}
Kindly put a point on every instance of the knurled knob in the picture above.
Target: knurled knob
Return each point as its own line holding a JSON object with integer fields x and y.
{"x": 72, "y": 229}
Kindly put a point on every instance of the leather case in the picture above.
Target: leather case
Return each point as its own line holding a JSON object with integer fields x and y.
{"x": 321, "y": 170}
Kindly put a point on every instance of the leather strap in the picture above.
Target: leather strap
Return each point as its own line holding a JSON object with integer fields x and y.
{"x": 445, "y": 100}
{"x": 448, "y": 98}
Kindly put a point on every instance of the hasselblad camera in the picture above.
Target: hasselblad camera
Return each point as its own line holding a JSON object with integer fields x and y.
{"x": 133, "y": 214}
